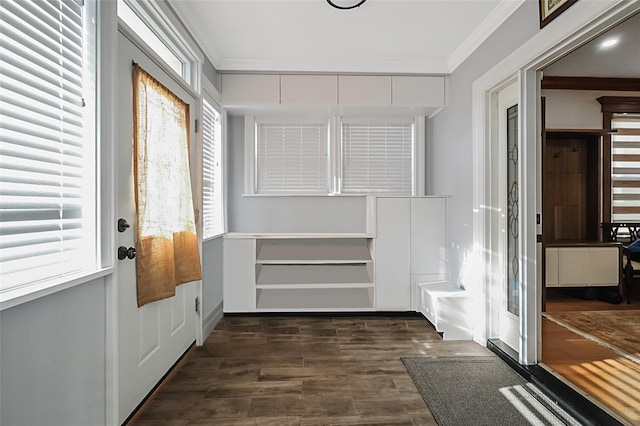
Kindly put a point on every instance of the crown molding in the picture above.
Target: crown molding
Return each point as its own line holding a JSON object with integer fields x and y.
{"x": 504, "y": 9}
{"x": 620, "y": 104}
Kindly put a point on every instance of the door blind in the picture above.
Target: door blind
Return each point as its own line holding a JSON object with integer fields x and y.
{"x": 291, "y": 158}
{"x": 212, "y": 219}
{"x": 377, "y": 158}
{"x": 625, "y": 168}
{"x": 45, "y": 168}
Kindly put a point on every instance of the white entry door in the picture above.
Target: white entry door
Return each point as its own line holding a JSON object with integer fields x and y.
{"x": 151, "y": 338}
{"x": 508, "y": 297}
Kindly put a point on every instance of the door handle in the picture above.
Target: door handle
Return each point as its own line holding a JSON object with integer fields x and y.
{"x": 124, "y": 252}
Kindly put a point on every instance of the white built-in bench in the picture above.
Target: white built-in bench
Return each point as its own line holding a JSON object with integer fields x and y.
{"x": 447, "y": 308}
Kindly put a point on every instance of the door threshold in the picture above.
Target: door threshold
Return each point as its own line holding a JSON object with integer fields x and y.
{"x": 577, "y": 404}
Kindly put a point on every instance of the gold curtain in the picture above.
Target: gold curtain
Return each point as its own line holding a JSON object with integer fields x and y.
{"x": 167, "y": 245}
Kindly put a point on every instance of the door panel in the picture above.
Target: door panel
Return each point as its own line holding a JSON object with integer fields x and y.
{"x": 509, "y": 160}
{"x": 151, "y": 338}
{"x": 178, "y": 311}
{"x": 571, "y": 187}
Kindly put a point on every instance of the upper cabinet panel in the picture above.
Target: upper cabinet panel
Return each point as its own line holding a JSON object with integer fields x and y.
{"x": 309, "y": 90}
{"x": 356, "y": 90}
{"x": 417, "y": 91}
{"x": 250, "y": 89}
{"x": 321, "y": 90}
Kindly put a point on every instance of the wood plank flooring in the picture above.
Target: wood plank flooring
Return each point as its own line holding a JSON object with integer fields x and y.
{"x": 561, "y": 302}
{"x": 304, "y": 370}
{"x": 598, "y": 371}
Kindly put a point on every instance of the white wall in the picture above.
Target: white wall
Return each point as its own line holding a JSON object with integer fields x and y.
{"x": 576, "y": 109}
{"x": 211, "y": 73}
{"x": 53, "y": 359}
{"x": 450, "y": 134}
{"x": 283, "y": 214}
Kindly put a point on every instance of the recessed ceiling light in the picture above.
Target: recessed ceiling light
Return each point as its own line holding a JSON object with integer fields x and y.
{"x": 609, "y": 43}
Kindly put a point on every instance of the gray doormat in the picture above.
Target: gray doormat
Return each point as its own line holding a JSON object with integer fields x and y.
{"x": 481, "y": 390}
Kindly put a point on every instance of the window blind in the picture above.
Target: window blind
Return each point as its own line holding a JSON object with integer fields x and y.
{"x": 212, "y": 215}
{"x": 45, "y": 171}
{"x": 291, "y": 158}
{"x": 377, "y": 158}
{"x": 625, "y": 168}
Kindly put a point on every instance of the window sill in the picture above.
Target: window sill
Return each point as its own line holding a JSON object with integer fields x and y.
{"x": 304, "y": 195}
{"x": 28, "y": 293}
{"x": 294, "y": 235}
{"x": 350, "y": 194}
{"x": 214, "y": 237}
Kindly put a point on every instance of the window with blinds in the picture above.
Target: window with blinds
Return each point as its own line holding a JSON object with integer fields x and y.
{"x": 377, "y": 157}
{"x": 291, "y": 158}
{"x": 47, "y": 141}
{"x": 625, "y": 168}
{"x": 212, "y": 208}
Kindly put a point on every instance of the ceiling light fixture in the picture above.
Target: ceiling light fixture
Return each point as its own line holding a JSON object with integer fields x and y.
{"x": 609, "y": 43}
{"x": 352, "y": 6}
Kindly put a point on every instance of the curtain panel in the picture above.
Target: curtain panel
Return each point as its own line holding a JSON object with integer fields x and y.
{"x": 167, "y": 251}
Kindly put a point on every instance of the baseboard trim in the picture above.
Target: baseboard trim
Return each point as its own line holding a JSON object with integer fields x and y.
{"x": 211, "y": 320}
{"x": 146, "y": 402}
{"x": 580, "y": 407}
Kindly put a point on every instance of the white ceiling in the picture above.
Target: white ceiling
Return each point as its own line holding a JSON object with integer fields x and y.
{"x": 381, "y": 36}
{"x": 593, "y": 60}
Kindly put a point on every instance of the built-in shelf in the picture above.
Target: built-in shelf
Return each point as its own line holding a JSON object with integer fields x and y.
{"x": 315, "y": 299}
{"x": 323, "y": 276}
{"x": 314, "y": 273}
{"x": 312, "y": 251}
{"x": 404, "y": 245}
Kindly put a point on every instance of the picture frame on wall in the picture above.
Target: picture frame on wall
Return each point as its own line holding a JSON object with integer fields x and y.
{"x": 550, "y": 9}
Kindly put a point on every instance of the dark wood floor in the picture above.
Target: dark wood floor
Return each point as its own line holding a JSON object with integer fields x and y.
{"x": 611, "y": 380}
{"x": 280, "y": 371}
{"x": 558, "y": 301}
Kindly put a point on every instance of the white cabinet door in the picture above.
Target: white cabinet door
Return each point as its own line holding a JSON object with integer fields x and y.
{"x": 309, "y": 90}
{"x": 573, "y": 266}
{"x": 392, "y": 254}
{"x": 364, "y": 90}
{"x": 551, "y": 267}
{"x": 239, "y": 274}
{"x": 418, "y": 91}
{"x": 604, "y": 266}
{"x": 250, "y": 89}
{"x": 429, "y": 237}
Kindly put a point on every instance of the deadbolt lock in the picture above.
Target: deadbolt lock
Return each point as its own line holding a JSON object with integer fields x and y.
{"x": 122, "y": 225}
{"x": 124, "y": 253}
